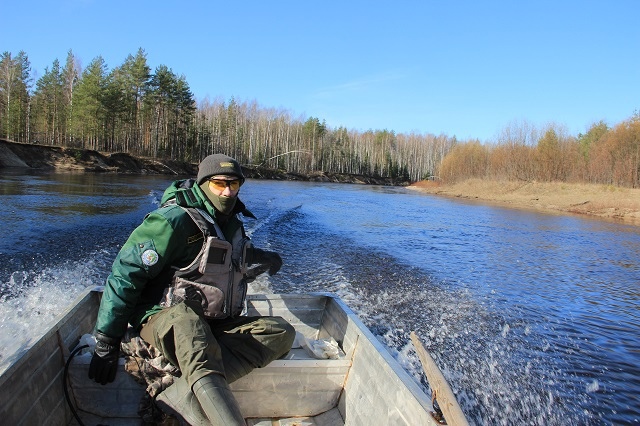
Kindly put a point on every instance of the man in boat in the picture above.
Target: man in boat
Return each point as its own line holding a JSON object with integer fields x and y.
{"x": 181, "y": 279}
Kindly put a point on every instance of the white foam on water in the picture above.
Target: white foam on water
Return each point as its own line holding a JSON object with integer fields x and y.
{"x": 36, "y": 300}
{"x": 594, "y": 386}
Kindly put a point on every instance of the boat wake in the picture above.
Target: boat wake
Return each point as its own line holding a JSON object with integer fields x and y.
{"x": 31, "y": 302}
{"x": 492, "y": 362}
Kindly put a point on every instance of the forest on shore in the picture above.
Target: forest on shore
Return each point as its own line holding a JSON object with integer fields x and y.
{"x": 132, "y": 109}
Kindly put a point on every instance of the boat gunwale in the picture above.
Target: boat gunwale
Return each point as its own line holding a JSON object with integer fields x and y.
{"x": 414, "y": 388}
{"x": 66, "y": 343}
{"x": 58, "y": 323}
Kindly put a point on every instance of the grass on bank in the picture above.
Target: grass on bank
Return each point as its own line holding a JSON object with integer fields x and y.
{"x": 602, "y": 201}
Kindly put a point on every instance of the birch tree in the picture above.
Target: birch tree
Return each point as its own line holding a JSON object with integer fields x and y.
{"x": 69, "y": 80}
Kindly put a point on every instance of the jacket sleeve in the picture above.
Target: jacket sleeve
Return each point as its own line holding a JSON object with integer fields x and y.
{"x": 148, "y": 250}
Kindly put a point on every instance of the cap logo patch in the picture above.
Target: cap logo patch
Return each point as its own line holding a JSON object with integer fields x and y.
{"x": 226, "y": 164}
{"x": 150, "y": 257}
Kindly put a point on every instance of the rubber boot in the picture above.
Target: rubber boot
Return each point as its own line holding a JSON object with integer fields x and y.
{"x": 217, "y": 401}
{"x": 179, "y": 401}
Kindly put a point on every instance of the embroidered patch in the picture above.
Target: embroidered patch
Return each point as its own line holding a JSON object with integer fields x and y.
{"x": 226, "y": 164}
{"x": 150, "y": 257}
{"x": 197, "y": 237}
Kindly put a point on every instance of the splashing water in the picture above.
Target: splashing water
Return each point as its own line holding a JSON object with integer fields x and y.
{"x": 34, "y": 301}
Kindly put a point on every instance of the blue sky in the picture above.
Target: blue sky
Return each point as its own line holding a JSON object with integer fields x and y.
{"x": 463, "y": 68}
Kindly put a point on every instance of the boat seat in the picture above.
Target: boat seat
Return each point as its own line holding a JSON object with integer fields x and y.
{"x": 273, "y": 391}
{"x": 277, "y": 390}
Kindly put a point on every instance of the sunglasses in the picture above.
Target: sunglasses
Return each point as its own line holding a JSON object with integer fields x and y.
{"x": 221, "y": 184}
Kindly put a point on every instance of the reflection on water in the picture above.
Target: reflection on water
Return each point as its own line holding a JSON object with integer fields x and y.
{"x": 84, "y": 208}
{"x": 533, "y": 318}
{"x": 16, "y": 182}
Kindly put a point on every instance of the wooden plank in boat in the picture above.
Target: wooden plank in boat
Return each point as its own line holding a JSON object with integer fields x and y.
{"x": 299, "y": 386}
{"x": 303, "y": 311}
{"x": 441, "y": 390}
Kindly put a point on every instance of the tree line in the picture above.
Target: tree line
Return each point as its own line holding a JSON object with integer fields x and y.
{"x": 603, "y": 155}
{"x": 133, "y": 109}
{"x": 154, "y": 114}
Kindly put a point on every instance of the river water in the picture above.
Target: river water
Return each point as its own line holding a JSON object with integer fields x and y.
{"x": 533, "y": 318}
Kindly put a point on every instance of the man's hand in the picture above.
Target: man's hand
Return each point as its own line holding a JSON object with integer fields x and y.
{"x": 267, "y": 258}
{"x": 104, "y": 362}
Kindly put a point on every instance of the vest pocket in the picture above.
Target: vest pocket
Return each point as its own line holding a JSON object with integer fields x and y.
{"x": 242, "y": 255}
{"x": 217, "y": 257}
{"x": 211, "y": 298}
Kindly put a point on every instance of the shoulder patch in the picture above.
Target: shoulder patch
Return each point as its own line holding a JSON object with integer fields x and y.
{"x": 150, "y": 257}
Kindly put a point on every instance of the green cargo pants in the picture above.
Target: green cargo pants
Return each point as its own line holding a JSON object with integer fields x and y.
{"x": 231, "y": 347}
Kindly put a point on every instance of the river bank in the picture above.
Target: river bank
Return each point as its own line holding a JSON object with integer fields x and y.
{"x": 601, "y": 201}
{"x": 55, "y": 158}
{"x": 606, "y": 202}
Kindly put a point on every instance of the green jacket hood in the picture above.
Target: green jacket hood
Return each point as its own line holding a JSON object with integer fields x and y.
{"x": 178, "y": 185}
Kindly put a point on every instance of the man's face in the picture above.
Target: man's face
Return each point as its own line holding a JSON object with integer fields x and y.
{"x": 226, "y": 186}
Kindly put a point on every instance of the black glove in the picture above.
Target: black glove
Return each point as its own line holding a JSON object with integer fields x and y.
{"x": 267, "y": 258}
{"x": 193, "y": 293}
{"x": 104, "y": 362}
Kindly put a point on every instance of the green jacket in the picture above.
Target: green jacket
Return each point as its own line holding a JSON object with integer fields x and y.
{"x": 167, "y": 239}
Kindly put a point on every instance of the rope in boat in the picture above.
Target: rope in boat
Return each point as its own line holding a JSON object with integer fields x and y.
{"x": 65, "y": 384}
{"x": 437, "y": 413}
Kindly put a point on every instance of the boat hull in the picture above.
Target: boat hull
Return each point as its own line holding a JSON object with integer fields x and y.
{"x": 366, "y": 386}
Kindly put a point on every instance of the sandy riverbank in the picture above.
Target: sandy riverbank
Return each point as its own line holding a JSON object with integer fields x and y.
{"x": 601, "y": 201}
